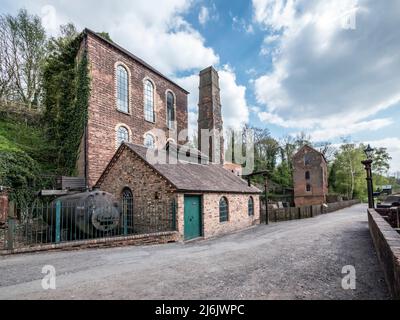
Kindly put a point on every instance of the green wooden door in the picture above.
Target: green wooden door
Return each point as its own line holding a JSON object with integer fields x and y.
{"x": 192, "y": 217}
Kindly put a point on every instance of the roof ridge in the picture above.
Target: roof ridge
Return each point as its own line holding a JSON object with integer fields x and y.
{"x": 130, "y": 54}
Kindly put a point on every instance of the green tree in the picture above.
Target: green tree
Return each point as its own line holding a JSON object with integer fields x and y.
{"x": 381, "y": 165}
{"x": 347, "y": 172}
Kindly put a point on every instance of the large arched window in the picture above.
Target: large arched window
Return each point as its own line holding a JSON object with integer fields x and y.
{"x": 122, "y": 89}
{"x": 122, "y": 135}
{"x": 223, "y": 210}
{"x": 251, "y": 207}
{"x": 170, "y": 110}
{"x": 149, "y": 141}
{"x": 149, "y": 101}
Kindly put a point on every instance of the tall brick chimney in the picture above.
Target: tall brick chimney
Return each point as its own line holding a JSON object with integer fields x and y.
{"x": 210, "y": 125}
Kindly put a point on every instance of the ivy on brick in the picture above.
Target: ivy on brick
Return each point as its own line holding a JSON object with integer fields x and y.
{"x": 66, "y": 98}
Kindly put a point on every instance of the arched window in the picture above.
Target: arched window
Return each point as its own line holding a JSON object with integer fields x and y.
{"x": 170, "y": 110}
{"x": 308, "y": 187}
{"x": 308, "y": 175}
{"x": 122, "y": 89}
{"x": 149, "y": 141}
{"x": 251, "y": 207}
{"x": 122, "y": 135}
{"x": 223, "y": 210}
{"x": 149, "y": 101}
{"x": 127, "y": 210}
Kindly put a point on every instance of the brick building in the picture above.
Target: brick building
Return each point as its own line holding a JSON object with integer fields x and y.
{"x": 128, "y": 100}
{"x": 209, "y": 200}
{"x": 310, "y": 177}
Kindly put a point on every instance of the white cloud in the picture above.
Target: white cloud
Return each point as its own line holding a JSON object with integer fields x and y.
{"x": 240, "y": 24}
{"x": 339, "y": 130}
{"x": 204, "y": 15}
{"x": 154, "y": 30}
{"x": 327, "y": 77}
{"x": 235, "y": 110}
{"x": 393, "y": 146}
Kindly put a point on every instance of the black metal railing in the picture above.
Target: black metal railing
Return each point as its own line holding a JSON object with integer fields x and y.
{"x": 60, "y": 221}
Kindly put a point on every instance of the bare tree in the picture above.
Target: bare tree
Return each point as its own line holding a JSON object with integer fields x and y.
{"x": 25, "y": 48}
{"x": 7, "y": 67}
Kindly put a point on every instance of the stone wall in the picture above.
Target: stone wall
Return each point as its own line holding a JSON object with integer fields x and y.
{"x": 103, "y": 114}
{"x": 387, "y": 245}
{"x": 152, "y": 194}
{"x": 238, "y": 214}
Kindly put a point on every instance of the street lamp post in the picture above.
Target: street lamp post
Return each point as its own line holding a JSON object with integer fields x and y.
{"x": 368, "y": 168}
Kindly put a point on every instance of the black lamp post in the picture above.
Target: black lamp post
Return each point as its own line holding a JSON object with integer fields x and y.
{"x": 369, "y": 152}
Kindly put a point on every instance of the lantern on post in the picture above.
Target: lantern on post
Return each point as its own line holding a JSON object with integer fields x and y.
{"x": 369, "y": 152}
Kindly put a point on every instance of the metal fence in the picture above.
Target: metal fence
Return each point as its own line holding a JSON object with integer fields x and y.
{"x": 59, "y": 222}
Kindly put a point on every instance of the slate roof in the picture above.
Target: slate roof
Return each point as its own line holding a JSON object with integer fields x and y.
{"x": 191, "y": 177}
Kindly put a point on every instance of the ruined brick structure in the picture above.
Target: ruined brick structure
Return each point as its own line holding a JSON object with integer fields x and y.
{"x": 3, "y": 206}
{"x": 105, "y": 117}
{"x": 210, "y": 116}
{"x": 310, "y": 177}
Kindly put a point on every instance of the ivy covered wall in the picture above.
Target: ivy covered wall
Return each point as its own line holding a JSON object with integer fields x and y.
{"x": 66, "y": 98}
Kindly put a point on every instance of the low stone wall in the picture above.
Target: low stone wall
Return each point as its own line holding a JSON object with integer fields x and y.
{"x": 285, "y": 214}
{"x": 137, "y": 240}
{"x": 387, "y": 245}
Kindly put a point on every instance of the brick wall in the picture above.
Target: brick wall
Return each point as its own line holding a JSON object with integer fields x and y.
{"x": 387, "y": 245}
{"x": 136, "y": 240}
{"x": 238, "y": 214}
{"x": 103, "y": 113}
{"x": 3, "y": 207}
{"x": 152, "y": 194}
{"x": 318, "y": 178}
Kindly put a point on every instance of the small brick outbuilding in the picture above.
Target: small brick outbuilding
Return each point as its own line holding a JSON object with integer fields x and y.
{"x": 210, "y": 200}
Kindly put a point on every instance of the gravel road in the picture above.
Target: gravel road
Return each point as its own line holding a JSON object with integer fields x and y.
{"x": 289, "y": 260}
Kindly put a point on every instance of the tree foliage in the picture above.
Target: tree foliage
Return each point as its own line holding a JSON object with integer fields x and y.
{"x": 23, "y": 50}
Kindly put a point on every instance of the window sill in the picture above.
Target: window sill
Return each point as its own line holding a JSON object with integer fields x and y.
{"x": 149, "y": 121}
{"x": 123, "y": 112}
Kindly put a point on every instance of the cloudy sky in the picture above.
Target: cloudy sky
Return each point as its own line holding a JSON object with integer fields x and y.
{"x": 329, "y": 68}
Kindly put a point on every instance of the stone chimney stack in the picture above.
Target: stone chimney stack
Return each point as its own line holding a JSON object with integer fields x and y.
{"x": 210, "y": 126}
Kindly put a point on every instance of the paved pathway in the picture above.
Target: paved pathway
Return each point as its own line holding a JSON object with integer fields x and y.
{"x": 290, "y": 260}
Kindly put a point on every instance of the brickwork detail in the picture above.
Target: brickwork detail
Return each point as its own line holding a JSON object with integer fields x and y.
{"x": 238, "y": 214}
{"x": 309, "y": 160}
{"x": 210, "y": 115}
{"x": 103, "y": 115}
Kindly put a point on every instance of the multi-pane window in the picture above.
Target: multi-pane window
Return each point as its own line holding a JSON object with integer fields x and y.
{"x": 122, "y": 89}
{"x": 170, "y": 110}
{"x": 122, "y": 135}
{"x": 149, "y": 141}
{"x": 223, "y": 210}
{"x": 251, "y": 206}
{"x": 149, "y": 101}
{"x": 308, "y": 187}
